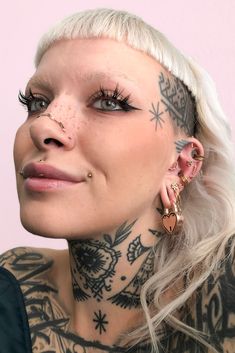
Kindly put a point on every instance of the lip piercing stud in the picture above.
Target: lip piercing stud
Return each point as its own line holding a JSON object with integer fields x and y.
{"x": 89, "y": 175}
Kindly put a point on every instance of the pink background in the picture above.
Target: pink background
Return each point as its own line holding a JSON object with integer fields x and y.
{"x": 203, "y": 29}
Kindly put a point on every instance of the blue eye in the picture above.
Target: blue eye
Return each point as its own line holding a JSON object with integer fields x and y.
{"x": 37, "y": 105}
{"x": 34, "y": 104}
{"x": 110, "y": 100}
{"x": 107, "y": 104}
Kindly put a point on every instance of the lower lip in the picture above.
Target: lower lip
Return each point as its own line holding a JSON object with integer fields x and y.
{"x": 43, "y": 184}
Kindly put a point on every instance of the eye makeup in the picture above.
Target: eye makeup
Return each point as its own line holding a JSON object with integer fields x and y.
{"x": 33, "y": 103}
{"x": 112, "y": 98}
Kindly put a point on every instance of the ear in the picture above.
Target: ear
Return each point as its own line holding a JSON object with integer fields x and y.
{"x": 190, "y": 155}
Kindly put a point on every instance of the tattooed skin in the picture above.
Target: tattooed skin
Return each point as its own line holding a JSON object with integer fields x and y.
{"x": 48, "y": 321}
{"x": 177, "y": 101}
{"x": 94, "y": 265}
{"x": 211, "y": 309}
{"x": 180, "y": 145}
{"x": 95, "y": 261}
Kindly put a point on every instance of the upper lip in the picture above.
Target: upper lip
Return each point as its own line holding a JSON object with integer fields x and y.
{"x": 48, "y": 171}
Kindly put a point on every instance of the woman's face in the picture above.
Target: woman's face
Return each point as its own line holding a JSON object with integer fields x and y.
{"x": 126, "y": 150}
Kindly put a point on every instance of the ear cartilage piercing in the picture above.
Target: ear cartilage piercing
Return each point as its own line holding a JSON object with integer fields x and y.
{"x": 21, "y": 172}
{"x": 184, "y": 179}
{"x": 189, "y": 163}
{"x": 89, "y": 175}
{"x": 175, "y": 188}
{"x": 199, "y": 157}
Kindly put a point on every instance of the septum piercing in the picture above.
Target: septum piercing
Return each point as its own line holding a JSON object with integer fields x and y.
{"x": 52, "y": 118}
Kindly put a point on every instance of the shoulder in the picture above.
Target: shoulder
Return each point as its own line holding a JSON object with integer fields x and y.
{"x": 214, "y": 304}
{"x": 29, "y": 262}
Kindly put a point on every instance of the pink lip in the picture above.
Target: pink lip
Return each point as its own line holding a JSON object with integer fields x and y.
{"x": 40, "y": 177}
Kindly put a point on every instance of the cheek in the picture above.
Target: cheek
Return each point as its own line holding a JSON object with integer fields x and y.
{"x": 128, "y": 155}
{"x": 20, "y": 145}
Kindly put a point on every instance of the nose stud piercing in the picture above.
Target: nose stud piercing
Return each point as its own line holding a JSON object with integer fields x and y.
{"x": 52, "y": 118}
{"x": 89, "y": 175}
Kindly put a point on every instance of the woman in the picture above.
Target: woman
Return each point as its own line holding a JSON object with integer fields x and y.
{"x": 127, "y": 154}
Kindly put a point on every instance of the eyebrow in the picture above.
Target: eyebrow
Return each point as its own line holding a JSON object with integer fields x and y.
{"x": 46, "y": 85}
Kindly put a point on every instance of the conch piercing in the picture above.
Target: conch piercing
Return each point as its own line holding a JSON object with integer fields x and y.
{"x": 52, "y": 118}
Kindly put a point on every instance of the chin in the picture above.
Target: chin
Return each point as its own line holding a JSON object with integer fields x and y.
{"x": 51, "y": 224}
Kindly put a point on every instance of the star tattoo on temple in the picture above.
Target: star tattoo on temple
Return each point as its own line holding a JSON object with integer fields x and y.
{"x": 100, "y": 320}
{"x": 157, "y": 115}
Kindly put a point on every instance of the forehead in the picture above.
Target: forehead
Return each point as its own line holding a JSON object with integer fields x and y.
{"x": 98, "y": 59}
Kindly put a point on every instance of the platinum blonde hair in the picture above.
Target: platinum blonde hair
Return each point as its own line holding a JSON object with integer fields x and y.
{"x": 208, "y": 202}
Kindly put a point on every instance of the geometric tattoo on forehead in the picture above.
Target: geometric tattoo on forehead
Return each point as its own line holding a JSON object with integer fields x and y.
{"x": 178, "y": 102}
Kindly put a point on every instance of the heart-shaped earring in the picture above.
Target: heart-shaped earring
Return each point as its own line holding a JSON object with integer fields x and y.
{"x": 172, "y": 219}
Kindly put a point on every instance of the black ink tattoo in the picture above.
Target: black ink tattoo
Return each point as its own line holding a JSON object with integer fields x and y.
{"x": 180, "y": 145}
{"x": 129, "y": 297}
{"x": 157, "y": 115}
{"x": 94, "y": 261}
{"x": 101, "y": 322}
{"x": 155, "y": 232}
{"x": 49, "y": 324}
{"x": 178, "y": 102}
{"x": 211, "y": 311}
{"x": 135, "y": 250}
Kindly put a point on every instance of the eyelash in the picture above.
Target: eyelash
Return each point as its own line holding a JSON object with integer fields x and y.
{"x": 102, "y": 94}
{"x": 27, "y": 101}
{"x": 114, "y": 96}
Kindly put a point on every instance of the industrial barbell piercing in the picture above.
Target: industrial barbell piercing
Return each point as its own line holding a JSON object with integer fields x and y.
{"x": 52, "y": 118}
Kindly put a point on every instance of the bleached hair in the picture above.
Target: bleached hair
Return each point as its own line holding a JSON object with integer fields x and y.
{"x": 208, "y": 202}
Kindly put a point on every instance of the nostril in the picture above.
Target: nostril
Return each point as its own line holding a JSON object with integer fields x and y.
{"x": 49, "y": 140}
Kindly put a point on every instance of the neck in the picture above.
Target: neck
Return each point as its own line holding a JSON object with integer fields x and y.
{"x": 107, "y": 275}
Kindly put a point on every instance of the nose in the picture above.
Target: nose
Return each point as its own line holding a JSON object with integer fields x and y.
{"x": 47, "y": 133}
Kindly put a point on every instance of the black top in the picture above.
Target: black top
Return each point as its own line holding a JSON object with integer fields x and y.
{"x": 14, "y": 327}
